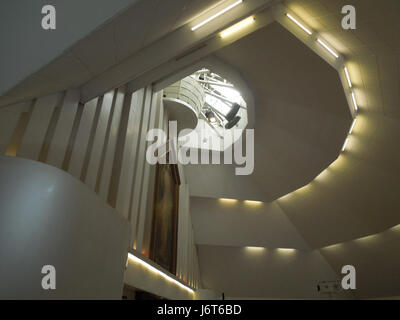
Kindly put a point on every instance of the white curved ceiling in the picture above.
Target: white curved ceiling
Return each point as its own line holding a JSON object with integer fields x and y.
{"x": 302, "y": 117}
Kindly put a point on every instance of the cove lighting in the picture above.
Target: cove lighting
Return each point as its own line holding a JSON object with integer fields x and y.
{"x": 352, "y": 125}
{"x": 226, "y": 200}
{"x": 286, "y": 250}
{"x": 328, "y": 48}
{"x": 155, "y": 270}
{"x": 395, "y": 228}
{"x": 369, "y": 237}
{"x": 253, "y": 202}
{"x": 298, "y": 23}
{"x": 354, "y": 101}
{"x": 217, "y": 15}
{"x": 242, "y": 24}
{"x": 255, "y": 248}
{"x": 347, "y": 77}
{"x": 345, "y": 144}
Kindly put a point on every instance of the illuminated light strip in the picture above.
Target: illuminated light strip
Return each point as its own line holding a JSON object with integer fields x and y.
{"x": 217, "y": 15}
{"x": 286, "y": 249}
{"x": 255, "y": 248}
{"x": 253, "y": 202}
{"x": 347, "y": 77}
{"x": 345, "y": 144}
{"x": 228, "y": 200}
{"x": 164, "y": 275}
{"x": 352, "y": 125}
{"x": 354, "y": 101}
{"x": 327, "y": 48}
{"x": 237, "y": 26}
{"x": 298, "y": 23}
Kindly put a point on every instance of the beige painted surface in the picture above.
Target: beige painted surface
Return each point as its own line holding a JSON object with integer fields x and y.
{"x": 59, "y": 143}
{"x": 82, "y": 138}
{"x": 111, "y": 146}
{"x": 99, "y": 138}
{"x": 37, "y": 126}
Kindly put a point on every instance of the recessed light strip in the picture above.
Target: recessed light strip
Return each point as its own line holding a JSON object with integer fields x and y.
{"x": 217, "y": 15}
{"x": 153, "y": 269}
{"x": 237, "y": 26}
{"x": 327, "y": 48}
{"x": 298, "y": 23}
{"x": 352, "y": 125}
{"x": 345, "y": 144}
{"x": 255, "y": 248}
{"x": 354, "y": 101}
{"x": 346, "y": 72}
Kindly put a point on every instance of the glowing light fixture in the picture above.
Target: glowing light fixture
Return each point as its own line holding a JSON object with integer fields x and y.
{"x": 345, "y": 144}
{"x": 155, "y": 270}
{"x": 254, "y": 248}
{"x": 352, "y": 125}
{"x": 298, "y": 23}
{"x": 369, "y": 237}
{"x": 217, "y": 15}
{"x": 240, "y": 25}
{"x": 396, "y": 228}
{"x": 226, "y": 200}
{"x": 328, "y": 48}
{"x": 354, "y": 101}
{"x": 346, "y": 72}
{"x": 286, "y": 250}
{"x": 253, "y": 202}
{"x": 333, "y": 246}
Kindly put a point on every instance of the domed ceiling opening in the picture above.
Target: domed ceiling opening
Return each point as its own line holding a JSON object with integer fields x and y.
{"x": 302, "y": 117}
{"x": 207, "y": 108}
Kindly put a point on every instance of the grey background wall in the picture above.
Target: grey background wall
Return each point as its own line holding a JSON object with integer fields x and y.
{"x": 22, "y": 20}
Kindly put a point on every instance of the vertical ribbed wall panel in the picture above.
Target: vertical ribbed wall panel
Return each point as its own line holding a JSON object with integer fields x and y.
{"x": 82, "y": 138}
{"x": 128, "y": 156}
{"x": 183, "y": 232}
{"x": 59, "y": 143}
{"x": 35, "y": 132}
{"x": 145, "y": 189}
{"x": 9, "y": 117}
{"x": 99, "y": 140}
{"x": 104, "y": 183}
{"x": 140, "y": 160}
{"x": 146, "y": 236}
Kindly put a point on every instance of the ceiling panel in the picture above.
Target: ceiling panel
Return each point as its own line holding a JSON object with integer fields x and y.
{"x": 97, "y": 51}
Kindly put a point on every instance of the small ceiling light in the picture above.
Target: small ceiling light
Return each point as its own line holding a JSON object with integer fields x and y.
{"x": 354, "y": 101}
{"x": 217, "y": 15}
{"x": 242, "y": 24}
{"x": 286, "y": 250}
{"x": 298, "y": 23}
{"x": 253, "y": 202}
{"x": 327, "y": 48}
{"x": 210, "y": 116}
{"x": 347, "y": 76}
{"x": 345, "y": 144}
{"x": 226, "y": 200}
{"x": 252, "y": 248}
{"x": 352, "y": 125}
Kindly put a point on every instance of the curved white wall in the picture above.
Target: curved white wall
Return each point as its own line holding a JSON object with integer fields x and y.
{"x": 47, "y": 217}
